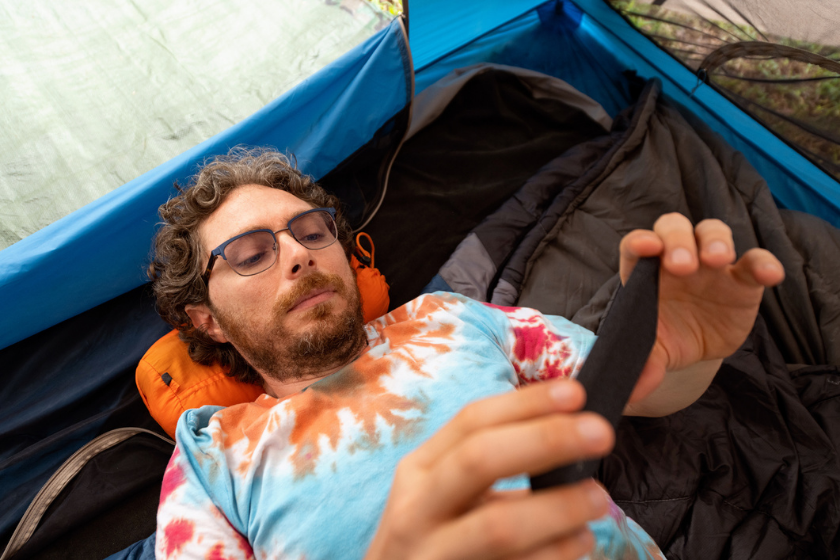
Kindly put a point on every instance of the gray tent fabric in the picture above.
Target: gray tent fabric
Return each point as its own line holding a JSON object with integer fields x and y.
{"x": 433, "y": 101}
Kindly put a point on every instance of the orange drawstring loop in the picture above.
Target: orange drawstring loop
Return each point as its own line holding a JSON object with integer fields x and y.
{"x": 368, "y": 255}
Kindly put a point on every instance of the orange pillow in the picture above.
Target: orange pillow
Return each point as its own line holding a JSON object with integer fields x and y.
{"x": 170, "y": 382}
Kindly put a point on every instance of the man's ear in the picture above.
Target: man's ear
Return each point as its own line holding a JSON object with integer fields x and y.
{"x": 202, "y": 319}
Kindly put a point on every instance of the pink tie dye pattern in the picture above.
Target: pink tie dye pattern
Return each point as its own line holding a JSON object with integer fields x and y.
{"x": 538, "y": 353}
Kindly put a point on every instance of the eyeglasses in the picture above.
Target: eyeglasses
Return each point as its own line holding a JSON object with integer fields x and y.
{"x": 256, "y": 251}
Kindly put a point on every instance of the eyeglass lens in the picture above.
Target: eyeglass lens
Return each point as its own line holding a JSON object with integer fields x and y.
{"x": 257, "y": 251}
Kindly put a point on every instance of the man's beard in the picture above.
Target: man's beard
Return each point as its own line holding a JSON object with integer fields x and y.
{"x": 331, "y": 340}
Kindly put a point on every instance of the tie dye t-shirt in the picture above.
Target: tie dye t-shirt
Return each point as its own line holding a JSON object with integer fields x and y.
{"x": 308, "y": 475}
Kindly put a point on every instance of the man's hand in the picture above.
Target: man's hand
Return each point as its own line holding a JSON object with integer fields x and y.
{"x": 441, "y": 504}
{"x": 707, "y": 306}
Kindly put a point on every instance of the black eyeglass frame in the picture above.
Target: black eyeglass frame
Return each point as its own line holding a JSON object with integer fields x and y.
{"x": 220, "y": 250}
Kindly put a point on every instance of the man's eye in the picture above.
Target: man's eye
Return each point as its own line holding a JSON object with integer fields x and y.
{"x": 312, "y": 237}
{"x": 248, "y": 262}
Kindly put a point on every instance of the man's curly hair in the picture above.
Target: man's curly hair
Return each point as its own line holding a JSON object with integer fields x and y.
{"x": 178, "y": 263}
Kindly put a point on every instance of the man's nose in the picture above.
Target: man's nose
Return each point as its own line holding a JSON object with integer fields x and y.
{"x": 295, "y": 259}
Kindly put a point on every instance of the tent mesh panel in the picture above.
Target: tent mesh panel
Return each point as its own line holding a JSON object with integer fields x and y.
{"x": 779, "y": 62}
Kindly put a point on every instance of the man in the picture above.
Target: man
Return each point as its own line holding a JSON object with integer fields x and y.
{"x": 403, "y": 438}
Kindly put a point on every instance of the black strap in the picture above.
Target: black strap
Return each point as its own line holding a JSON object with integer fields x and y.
{"x": 625, "y": 339}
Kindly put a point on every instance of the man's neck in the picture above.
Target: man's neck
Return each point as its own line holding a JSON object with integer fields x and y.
{"x": 281, "y": 389}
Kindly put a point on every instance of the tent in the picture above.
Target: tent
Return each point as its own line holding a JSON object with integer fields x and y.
{"x": 76, "y": 317}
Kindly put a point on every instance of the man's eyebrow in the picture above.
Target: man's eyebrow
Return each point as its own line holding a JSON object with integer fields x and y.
{"x": 285, "y": 224}
{"x": 246, "y": 229}
{"x": 254, "y": 227}
{"x": 251, "y": 228}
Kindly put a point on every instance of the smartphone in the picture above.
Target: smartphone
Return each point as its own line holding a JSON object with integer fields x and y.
{"x": 625, "y": 338}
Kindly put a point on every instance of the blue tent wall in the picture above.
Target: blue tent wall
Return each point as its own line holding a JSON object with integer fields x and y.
{"x": 436, "y": 28}
{"x": 98, "y": 252}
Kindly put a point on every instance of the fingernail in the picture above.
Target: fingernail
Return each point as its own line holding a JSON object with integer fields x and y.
{"x": 561, "y": 392}
{"x": 592, "y": 430}
{"x": 681, "y": 256}
{"x": 717, "y": 248}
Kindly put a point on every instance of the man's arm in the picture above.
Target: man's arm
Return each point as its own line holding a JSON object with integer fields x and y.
{"x": 678, "y": 390}
{"x": 708, "y": 303}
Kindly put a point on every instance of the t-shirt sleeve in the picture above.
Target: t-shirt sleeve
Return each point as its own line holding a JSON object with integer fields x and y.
{"x": 189, "y": 524}
{"x": 540, "y": 347}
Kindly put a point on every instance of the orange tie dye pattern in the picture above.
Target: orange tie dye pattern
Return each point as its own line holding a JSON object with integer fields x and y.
{"x": 358, "y": 389}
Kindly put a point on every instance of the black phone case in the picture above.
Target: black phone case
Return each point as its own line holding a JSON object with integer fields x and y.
{"x": 625, "y": 339}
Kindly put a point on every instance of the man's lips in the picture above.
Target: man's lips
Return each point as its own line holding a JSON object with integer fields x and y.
{"x": 312, "y": 298}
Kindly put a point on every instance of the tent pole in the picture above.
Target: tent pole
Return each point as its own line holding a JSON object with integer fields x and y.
{"x": 405, "y": 17}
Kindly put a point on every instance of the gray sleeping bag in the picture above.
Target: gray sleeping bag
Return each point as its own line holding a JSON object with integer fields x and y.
{"x": 751, "y": 470}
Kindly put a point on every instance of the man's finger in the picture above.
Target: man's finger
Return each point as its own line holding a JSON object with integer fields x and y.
{"x": 635, "y": 245}
{"x": 714, "y": 240}
{"x": 758, "y": 267}
{"x": 518, "y": 527}
{"x": 532, "y": 447}
{"x": 677, "y": 233}
{"x": 564, "y": 395}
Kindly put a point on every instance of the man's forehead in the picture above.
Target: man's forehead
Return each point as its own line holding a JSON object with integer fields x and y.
{"x": 250, "y": 207}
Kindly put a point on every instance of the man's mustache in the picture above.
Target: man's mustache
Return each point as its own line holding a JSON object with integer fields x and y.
{"x": 310, "y": 282}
